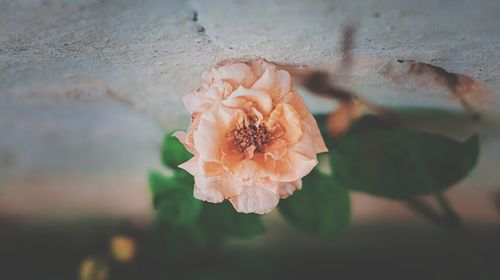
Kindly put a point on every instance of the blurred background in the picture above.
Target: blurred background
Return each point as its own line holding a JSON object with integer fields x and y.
{"x": 88, "y": 89}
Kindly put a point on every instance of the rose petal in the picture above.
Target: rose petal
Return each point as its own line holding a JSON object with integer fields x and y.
{"x": 194, "y": 102}
{"x": 259, "y": 66}
{"x": 266, "y": 82}
{"x": 224, "y": 89}
{"x": 293, "y": 167}
{"x": 238, "y": 73}
{"x": 192, "y": 166}
{"x": 248, "y": 169}
{"x": 213, "y": 93}
{"x": 258, "y": 199}
{"x": 261, "y": 99}
{"x": 209, "y": 188}
{"x": 305, "y": 145}
{"x": 298, "y": 104}
{"x": 266, "y": 163}
{"x": 209, "y": 194}
{"x": 289, "y": 119}
{"x": 277, "y": 149}
{"x": 287, "y": 189}
{"x": 276, "y": 82}
{"x": 210, "y": 169}
{"x": 230, "y": 159}
{"x": 212, "y": 128}
{"x": 189, "y": 139}
{"x": 197, "y": 167}
{"x": 285, "y": 82}
{"x": 299, "y": 160}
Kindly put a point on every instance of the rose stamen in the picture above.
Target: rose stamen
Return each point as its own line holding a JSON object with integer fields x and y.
{"x": 250, "y": 134}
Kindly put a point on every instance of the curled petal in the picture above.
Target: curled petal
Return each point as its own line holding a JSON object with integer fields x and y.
{"x": 298, "y": 162}
{"x": 241, "y": 95}
{"x": 224, "y": 89}
{"x": 293, "y": 167}
{"x": 259, "y": 66}
{"x": 288, "y": 188}
{"x": 266, "y": 82}
{"x": 189, "y": 139}
{"x": 289, "y": 119}
{"x": 212, "y": 128}
{"x": 195, "y": 102}
{"x": 256, "y": 113}
{"x": 285, "y": 83}
{"x": 192, "y": 166}
{"x": 276, "y": 82}
{"x": 238, "y": 73}
{"x": 298, "y": 104}
{"x": 305, "y": 145}
{"x": 181, "y": 135}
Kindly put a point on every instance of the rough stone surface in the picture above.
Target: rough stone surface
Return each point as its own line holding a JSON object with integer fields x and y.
{"x": 88, "y": 87}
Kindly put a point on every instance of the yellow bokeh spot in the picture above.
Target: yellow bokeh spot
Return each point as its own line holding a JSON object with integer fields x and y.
{"x": 93, "y": 269}
{"x": 122, "y": 248}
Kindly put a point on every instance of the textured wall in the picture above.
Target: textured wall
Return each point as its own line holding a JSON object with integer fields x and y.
{"x": 88, "y": 87}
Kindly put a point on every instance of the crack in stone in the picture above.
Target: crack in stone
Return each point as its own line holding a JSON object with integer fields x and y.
{"x": 194, "y": 18}
{"x": 211, "y": 38}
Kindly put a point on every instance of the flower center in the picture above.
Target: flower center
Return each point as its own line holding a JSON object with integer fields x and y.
{"x": 245, "y": 135}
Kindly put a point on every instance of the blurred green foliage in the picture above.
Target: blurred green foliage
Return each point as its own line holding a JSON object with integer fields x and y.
{"x": 322, "y": 207}
{"x": 396, "y": 162}
{"x": 173, "y": 152}
{"x": 173, "y": 200}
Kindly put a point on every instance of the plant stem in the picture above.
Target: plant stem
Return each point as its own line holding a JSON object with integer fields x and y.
{"x": 450, "y": 218}
{"x": 452, "y": 222}
{"x": 421, "y": 208}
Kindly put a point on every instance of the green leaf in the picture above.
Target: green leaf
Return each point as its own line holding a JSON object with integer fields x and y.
{"x": 322, "y": 207}
{"x": 173, "y": 198}
{"x": 399, "y": 163}
{"x": 173, "y": 152}
{"x": 222, "y": 218}
{"x": 431, "y": 115}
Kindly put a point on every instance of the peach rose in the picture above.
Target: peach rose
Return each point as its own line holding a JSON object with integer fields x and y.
{"x": 251, "y": 135}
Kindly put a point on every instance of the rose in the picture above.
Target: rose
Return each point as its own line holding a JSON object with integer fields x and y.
{"x": 251, "y": 135}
